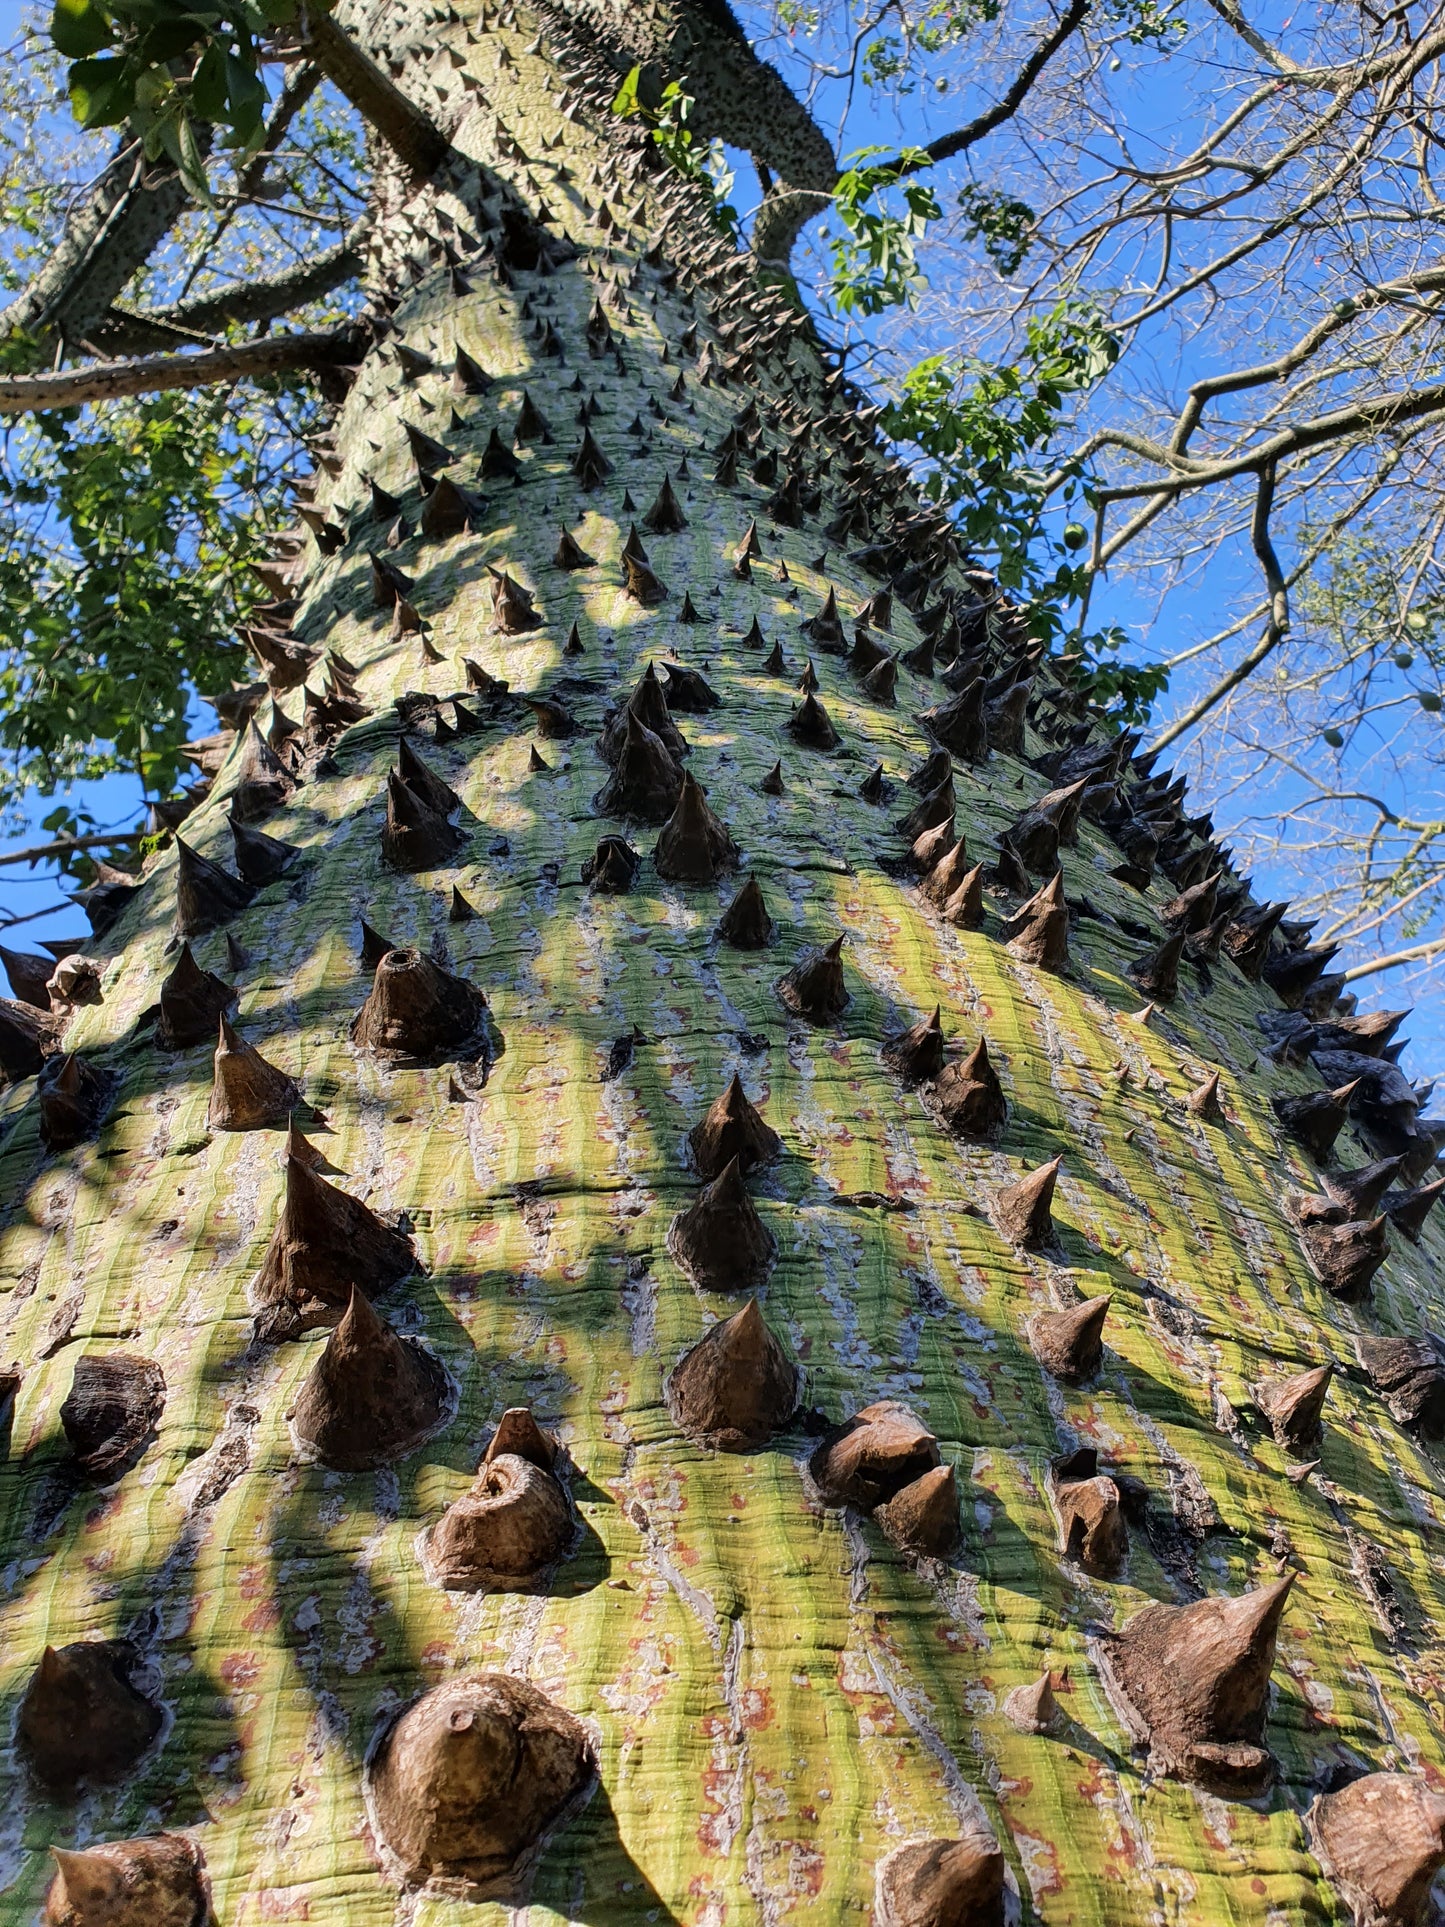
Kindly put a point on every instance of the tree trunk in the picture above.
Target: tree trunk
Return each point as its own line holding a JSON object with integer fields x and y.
{"x": 790, "y": 1658}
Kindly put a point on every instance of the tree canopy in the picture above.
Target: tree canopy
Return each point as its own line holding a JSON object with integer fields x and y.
{"x": 1148, "y": 294}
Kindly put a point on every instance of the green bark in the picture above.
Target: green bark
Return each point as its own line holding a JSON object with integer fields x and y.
{"x": 778, "y": 1696}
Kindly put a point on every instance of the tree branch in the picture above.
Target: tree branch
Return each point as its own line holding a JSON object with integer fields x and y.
{"x": 106, "y": 238}
{"x": 23, "y": 394}
{"x": 1364, "y": 417}
{"x": 250, "y": 302}
{"x": 1276, "y": 626}
{"x": 62, "y": 846}
{"x": 1414, "y": 953}
{"x": 958, "y": 142}
{"x": 415, "y": 139}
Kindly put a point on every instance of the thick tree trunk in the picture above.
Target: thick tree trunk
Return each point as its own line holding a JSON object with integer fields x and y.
{"x": 779, "y": 1689}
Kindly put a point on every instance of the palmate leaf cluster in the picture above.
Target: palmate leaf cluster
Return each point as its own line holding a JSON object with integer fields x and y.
{"x": 172, "y": 72}
{"x": 125, "y": 544}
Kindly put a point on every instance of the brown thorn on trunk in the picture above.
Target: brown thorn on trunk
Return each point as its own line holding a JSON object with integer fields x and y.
{"x": 111, "y": 1412}
{"x": 720, "y": 1242}
{"x": 1092, "y": 1529}
{"x": 503, "y": 1535}
{"x": 470, "y": 1780}
{"x": 1293, "y": 1406}
{"x": 192, "y": 1001}
{"x": 923, "y": 1517}
{"x": 1382, "y": 1841}
{"x": 1070, "y": 1344}
{"x": 814, "y": 988}
{"x": 81, "y": 1719}
{"x": 612, "y": 868}
{"x": 153, "y": 1882}
{"x": 1345, "y": 1257}
{"x": 206, "y": 895}
{"x": 371, "y": 1397}
{"x": 736, "y": 1386}
{"x": 247, "y": 1093}
{"x": 811, "y": 726}
{"x": 1195, "y": 1681}
{"x": 732, "y": 1128}
{"x": 969, "y": 1095}
{"x": 746, "y": 924}
{"x": 1157, "y": 975}
{"x": 569, "y": 553}
{"x": 415, "y": 836}
{"x": 665, "y": 516}
{"x": 937, "y": 1883}
{"x": 325, "y": 1244}
{"x": 945, "y": 876}
{"x": 1203, "y": 1100}
{"x": 260, "y": 858}
{"x": 73, "y": 1096}
{"x": 1316, "y": 1118}
{"x": 964, "y": 908}
{"x": 1038, "y": 933}
{"x": 1022, "y": 1210}
{"x": 694, "y": 845}
{"x": 1033, "y": 1708}
{"x": 916, "y": 1054}
{"x": 417, "y": 1009}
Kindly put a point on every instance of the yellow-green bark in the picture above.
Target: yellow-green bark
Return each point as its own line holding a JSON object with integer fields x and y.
{"x": 777, "y": 1696}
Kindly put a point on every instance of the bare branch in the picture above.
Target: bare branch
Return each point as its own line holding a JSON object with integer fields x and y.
{"x": 1276, "y": 627}
{"x": 1014, "y": 96}
{"x": 1363, "y": 417}
{"x": 24, "y": 394}
{"x": 1414, "y": 953}
{"x": 62, "y": 846}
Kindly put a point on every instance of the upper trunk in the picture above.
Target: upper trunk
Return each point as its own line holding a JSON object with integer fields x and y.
{"x": 792, "y": 1654}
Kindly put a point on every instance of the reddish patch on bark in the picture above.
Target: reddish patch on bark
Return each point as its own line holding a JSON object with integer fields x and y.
{"x": 107, "y": 1509}
{"x": 757, "y": 1708}
{"x": 280, "y": 1903}
{"x": 239, "y": 1669}
{"x": 264, "y": 1618}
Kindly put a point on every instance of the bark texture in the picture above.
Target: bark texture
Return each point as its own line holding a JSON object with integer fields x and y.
{"x": 778, "y": 1693}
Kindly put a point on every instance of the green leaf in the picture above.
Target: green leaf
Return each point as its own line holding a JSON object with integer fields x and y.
{"x": 169, "y": 39}
{"x": 625, "y": 101}
{"x": 193, "y": 166}
{"x": 79, "y": 29}
{"x": 246, "y": 93}
{"x": 208, "y": 84}
{"x": 102, "y": 92}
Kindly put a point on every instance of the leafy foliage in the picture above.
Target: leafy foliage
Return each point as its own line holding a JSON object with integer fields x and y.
{"x": 875, "y": 258}
{"x": 1001, "y": 222}
{"x": 701, "y": 161}
{"x": 985, "y": 430}
{"x": 124, "y": 548}
{"x": 171, "y": 71}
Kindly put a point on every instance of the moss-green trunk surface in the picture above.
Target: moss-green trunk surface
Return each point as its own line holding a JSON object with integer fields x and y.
{"x": 778, "y": 1697}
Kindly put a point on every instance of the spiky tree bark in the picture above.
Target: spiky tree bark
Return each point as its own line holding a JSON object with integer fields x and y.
{"x": 570, "y": 1380}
